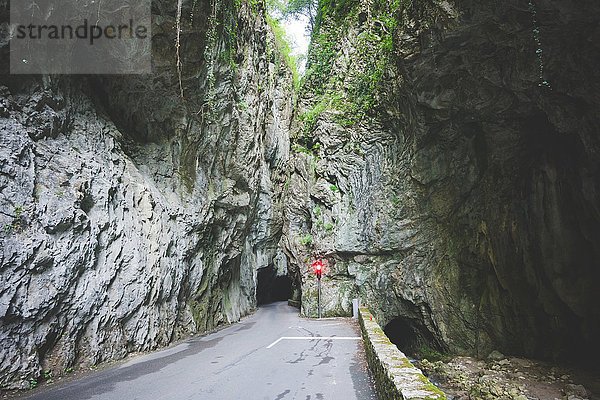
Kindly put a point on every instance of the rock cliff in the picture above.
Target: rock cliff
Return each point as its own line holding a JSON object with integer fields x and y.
{"x": 446, "y": 163}
{"x": 443, "y": 157}
{"x": 136, "y": 210}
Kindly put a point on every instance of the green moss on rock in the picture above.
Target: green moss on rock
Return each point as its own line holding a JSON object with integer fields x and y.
{"x": 394, "y": 374}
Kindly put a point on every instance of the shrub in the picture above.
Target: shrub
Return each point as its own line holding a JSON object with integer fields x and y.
{"x": 306, "y": 240}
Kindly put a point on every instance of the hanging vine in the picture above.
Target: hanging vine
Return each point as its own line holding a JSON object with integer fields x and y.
{"x": 192, "y": 12}
{"x": 178, "y": 45}
{"x": 230, "y": 27}
{"x": 538, "y": 42}
{"x": 209, "y": 56}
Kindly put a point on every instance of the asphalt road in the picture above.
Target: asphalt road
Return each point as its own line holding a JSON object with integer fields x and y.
{"x": 269, "y": 355}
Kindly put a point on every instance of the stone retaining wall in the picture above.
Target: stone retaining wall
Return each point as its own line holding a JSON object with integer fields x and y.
{"x": 395, "y": 376}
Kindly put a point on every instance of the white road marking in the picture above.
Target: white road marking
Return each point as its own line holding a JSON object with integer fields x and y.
{"x": 313, "y": 338}
{"x": 274, "y": 343}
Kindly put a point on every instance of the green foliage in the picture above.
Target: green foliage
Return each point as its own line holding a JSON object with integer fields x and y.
{"x": 306, "y": 240}
{"x": 254, "y": 5}
{"x": 437, "y": 394}
{"x": 355, "y": 147}
{"x": 320, "y": 61}
{"x": 18, "y": 211}
{"x": 298, "y": 148}
{"x": 242, "y": 105}
{"x": 306, "y": 8}
{"x": 18, "y": 222}
{"x": 310, "y": 117}
{"x": 231, "y": 39}
{"x": 294, "y": 9}
{"x": 276, "y": 6}
{"x": 312, "y": 166}
{"x": 426, "y": 352}
{"x": 351, "y": 97}
{"x": 48, "y": 376}
{"x": 283, "y": 46}
{"x": 313, "y": 150}
{"x": 33, "y": 383}
{"x": 319, "y": 223}
{"x": 210, "y": 58}
{"x": 337, "y": 11}
{"x": 68, "y": 370}
{"x": 334, "y": 188}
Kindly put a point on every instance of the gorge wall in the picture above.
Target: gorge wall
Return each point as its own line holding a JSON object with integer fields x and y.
{"x": 134, "y": 213}
{"x": 443, "y": 157}
{"x": 446, "y": 163}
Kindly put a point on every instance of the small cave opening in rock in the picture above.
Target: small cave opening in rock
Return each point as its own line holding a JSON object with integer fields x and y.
{"x": 413, "y": 339}
{"x": 272, "y": 287}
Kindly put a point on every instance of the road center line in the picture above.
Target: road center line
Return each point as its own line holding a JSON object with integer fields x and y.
{"x": 313, "y": 338}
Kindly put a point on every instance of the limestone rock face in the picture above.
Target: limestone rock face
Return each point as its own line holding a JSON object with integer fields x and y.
{"x": 444, "y": 161}
{"x": 447, "y": 165}
{"x": 132, "y": 216}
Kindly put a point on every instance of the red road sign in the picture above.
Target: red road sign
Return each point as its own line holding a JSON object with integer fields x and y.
{"x": 318, "y": 268}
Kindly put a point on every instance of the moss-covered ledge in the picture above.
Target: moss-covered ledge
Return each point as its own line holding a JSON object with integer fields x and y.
{"x": 395, "y": 376}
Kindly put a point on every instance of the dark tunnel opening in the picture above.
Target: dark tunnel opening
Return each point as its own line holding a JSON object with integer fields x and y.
{"x": 413, "y": 338}
{"x": 271, "y": 287}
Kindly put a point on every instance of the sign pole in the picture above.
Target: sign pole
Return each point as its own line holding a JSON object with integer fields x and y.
{"x": 319, "y": 296}
{"x": 318, "y": 269}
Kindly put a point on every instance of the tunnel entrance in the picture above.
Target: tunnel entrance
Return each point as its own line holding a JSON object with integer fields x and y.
{"x": 412, "y": 338}
{"x": 271, "y": 287}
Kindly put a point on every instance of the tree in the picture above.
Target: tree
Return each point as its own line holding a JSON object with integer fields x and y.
{"x": 295, "y": 9}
